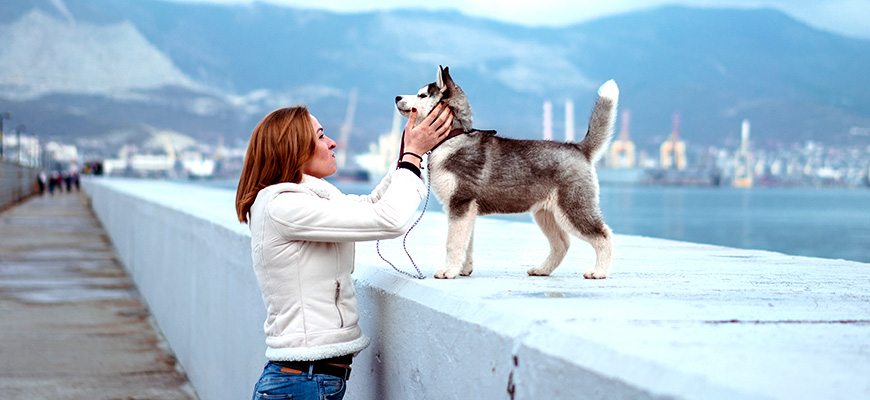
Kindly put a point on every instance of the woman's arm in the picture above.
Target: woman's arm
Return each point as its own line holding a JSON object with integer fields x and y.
{"x": 388, "y": 211}
{"x": 416, "y": 141}
{"x": 301, "y": 216}
{"x": 376, "y": 194}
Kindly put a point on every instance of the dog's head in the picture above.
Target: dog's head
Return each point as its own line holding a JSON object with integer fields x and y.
{"x": 443, "y": 89}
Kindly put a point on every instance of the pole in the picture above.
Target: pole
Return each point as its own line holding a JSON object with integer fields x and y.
{"x": 19, "y": 187}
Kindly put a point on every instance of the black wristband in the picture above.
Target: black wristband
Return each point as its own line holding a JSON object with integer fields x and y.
{"x": 411, "y": 167}
{"x": 411, "y": 154}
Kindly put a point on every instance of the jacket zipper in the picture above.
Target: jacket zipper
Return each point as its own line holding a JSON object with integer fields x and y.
{"x": 337, "y": 308}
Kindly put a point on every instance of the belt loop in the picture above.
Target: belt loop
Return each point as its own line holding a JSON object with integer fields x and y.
{"x": 310, "y": 370}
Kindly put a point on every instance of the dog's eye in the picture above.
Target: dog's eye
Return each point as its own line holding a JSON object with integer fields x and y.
{"x": 422, "y": 96}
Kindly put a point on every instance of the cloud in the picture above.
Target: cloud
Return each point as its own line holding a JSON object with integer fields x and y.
{"x": 848, "y": 17}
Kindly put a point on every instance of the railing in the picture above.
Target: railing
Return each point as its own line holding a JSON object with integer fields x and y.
{"x": 17, "y": 182}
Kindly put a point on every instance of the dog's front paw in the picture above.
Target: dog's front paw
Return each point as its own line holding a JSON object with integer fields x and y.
{"x": 539, "y": 272}
{"x": 593, "y": 274}
{"x": 467, "y": 269}
{"x": 446, "y": 273}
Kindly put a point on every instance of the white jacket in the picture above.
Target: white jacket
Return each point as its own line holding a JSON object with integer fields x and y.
{"x": 302, "y": 242}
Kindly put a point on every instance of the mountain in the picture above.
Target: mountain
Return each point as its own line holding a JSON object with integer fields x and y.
{"x": 44, "y": 55}
{"x": 719, "y": 66}
{"x": 114, "y": 68}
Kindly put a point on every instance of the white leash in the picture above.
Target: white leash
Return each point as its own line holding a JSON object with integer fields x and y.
{"x": 405, "y": 239}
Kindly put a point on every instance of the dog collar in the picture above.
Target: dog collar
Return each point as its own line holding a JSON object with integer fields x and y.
{"x": 452, "y": 134}
{"x": 458, "y": 131}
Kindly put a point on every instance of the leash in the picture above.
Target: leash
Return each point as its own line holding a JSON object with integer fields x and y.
{"x": 453, "y": 133}
{"x": 405, "y": 238}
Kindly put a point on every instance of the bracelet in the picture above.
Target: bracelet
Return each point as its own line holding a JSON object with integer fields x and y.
{"x": 410, "y": 167}
{"x": 411, "y": 154}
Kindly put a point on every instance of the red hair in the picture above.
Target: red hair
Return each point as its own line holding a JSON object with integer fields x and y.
{"x": 280, "y": 145}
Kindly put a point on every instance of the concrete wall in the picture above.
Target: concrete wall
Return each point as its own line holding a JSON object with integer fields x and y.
{"x": 16, "y": 183}
{"x": 191, "y": 262}
{"x": 674, "y": 320}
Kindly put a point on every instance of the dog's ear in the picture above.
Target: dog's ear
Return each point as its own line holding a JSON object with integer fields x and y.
{"x": 444, "y": 79}
{"x": 440, "y": 80}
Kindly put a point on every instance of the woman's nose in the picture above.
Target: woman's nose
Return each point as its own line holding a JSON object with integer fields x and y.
{"x": 332, "y": 144}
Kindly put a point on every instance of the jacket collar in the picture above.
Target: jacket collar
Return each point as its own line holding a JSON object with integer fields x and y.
{"x": 319, "y": 186}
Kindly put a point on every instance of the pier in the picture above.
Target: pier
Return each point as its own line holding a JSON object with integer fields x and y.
{"x": 674, "y": 319}
{"x": 72, "y": 324}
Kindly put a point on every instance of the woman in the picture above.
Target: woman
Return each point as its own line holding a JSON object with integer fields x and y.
{"x": 303, "y": 231}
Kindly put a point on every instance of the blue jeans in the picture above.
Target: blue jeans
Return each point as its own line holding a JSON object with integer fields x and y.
{"x": 274, "y": 384}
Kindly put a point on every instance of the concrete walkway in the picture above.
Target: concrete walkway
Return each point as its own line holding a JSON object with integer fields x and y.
{"x": 72, "y": 324}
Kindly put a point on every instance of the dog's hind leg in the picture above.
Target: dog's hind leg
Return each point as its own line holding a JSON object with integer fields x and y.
{"x": 582, "y": 218}
{"x": 459, "y": 229}
{"x": 600, "y": 237}
{"x": 468, "y": 264}
{"x": 559, "y": 243}
{"x": 602, "y": 242}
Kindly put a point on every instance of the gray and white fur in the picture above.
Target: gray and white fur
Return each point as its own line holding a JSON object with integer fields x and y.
{"x": 478, "y": 173}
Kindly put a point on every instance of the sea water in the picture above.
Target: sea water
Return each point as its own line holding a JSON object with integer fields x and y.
{"x": 827, "y": 223}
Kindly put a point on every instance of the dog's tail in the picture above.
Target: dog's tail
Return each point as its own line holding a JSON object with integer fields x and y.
{"x": 601, "y": 123}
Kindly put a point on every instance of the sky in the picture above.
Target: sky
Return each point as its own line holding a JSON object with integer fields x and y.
{"x": 846, "y": 17}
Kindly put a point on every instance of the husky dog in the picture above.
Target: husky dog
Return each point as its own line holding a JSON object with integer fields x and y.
{"x": 477, "y": 173}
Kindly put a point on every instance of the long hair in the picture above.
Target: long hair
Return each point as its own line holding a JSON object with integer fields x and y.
{"x": 280, "y": 145}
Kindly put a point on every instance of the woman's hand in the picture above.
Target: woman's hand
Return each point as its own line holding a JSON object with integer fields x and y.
{"x": 431, "y": 131}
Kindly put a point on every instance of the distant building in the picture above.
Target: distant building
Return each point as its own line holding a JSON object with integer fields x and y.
{"x": 673, "y": 150}
{"x": 743, "y": 159}
{"x": 383, "y": 153}
{"x": 548, "y": 120}
{"x": 569, "y": 121}
{"x": 622, "y": 151}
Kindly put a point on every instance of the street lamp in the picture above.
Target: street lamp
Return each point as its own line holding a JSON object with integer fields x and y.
{"x": 3, "y": 115}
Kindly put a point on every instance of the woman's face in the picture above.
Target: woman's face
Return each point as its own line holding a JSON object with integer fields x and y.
{"x": 323, "y": 162}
